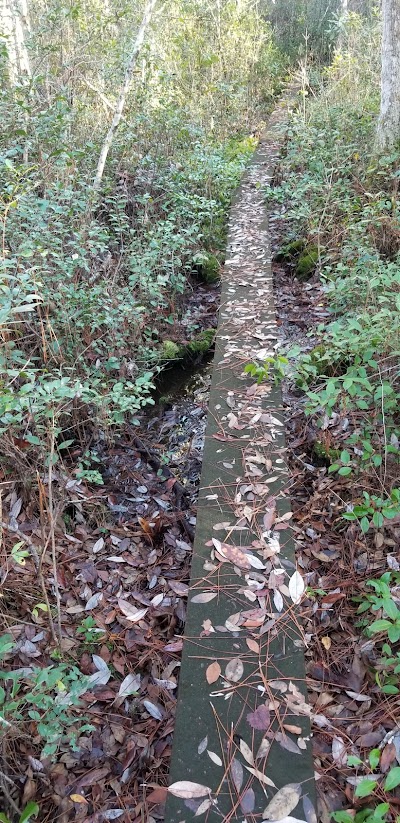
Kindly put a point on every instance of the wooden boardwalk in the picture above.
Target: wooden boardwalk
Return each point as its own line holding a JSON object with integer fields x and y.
{"x": 243, "y": 726}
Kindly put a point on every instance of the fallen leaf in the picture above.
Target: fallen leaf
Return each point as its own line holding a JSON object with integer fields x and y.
{"x": 158, "y": 795}
{"x": 287, "y": 743}
{"x": 215, "y": 758}
{"x": 246, "y": 752}
{"x": 78, "y": 798}
{"x": 132, "y": 614}
{"x": 204, "y": 597}
{"x": 289, "y": 727}
{"x": 204, "y": 807}
{"x": 188, "y": 790}
{"x": 296, "y": 587}
{"x": 259, "y": 719}
{"x": 261, "y": 777}
{"x": 248, "y": 801}
{"x": 283, "y": 802}
{"x": 326, "y": 642}
{"x": 236, "y": 769}
{"x": 253, "y": 645}
{"x": 234, "y": 670}
{"x": 202, "y": 745}
{"x": 213, "y": 672}
{"x": 94, "y": 601}
{"x": 130, "y": 685}
{"x": 234, "y": 555}
{"x": 339, "y": 753}
{"x": 154, "y": 710}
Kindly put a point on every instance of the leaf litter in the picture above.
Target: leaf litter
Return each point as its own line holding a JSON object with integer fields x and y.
{"x": 123, "y": 564}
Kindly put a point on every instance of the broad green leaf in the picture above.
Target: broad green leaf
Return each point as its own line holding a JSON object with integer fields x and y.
{"x": 365, "y": 788}
{"x": 393, "y": 779}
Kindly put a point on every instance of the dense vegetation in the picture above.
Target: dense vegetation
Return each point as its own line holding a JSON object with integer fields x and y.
{"x": 91, "y": 288}
{"x": 96, "y": 287}
{"x": 337, "y": 200}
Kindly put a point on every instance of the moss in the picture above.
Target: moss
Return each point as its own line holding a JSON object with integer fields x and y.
{"x": 322, "y": 451}
{"x": 208, "y": 267}
{"x": 291, "y": 251}
{"x": 170, "y": 350}
{"x": 307, "y": 263}
{"x": 197, "y": 347}
{"x": 200, "y": 344}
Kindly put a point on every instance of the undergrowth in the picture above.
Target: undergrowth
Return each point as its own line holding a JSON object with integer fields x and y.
{"x": 337, "y": 197}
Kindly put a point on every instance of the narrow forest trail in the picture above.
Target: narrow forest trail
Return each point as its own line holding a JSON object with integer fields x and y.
{"x": 242, "y": 729}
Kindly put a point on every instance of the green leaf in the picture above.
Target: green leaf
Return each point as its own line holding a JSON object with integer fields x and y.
{"x": 380, "y": 626}
{"x": 378, "y": 519}
{"x": 365, "y": 788}
{"x": 364, "y": 523}
{"x": 31, "y": 810}
{"x": 345, "y": 456}
{"x": 345, "y": 471}
{"x": 31, "y": 438}
{"x": 342, "y": 817}
{"x": 65, "y": 444}
{"x": 393, "y": 779}
{"x": 352, "y": 760}
{"x": 374, "y": 758}
{"x": 390, "y": 689}
{"x": 390, "y": 608}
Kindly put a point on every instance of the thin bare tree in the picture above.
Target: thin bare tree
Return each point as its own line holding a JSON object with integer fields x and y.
{"x": 388, "y": 130}
{"x": 137, "y": 45}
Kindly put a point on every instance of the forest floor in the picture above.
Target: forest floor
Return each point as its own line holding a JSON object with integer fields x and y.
{"x": 134, "y": 533}
{"x": 337, "y": 562}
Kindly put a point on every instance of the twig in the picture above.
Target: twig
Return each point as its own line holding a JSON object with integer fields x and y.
{"x": 40, "y": 569}
{"x": 52, "y": 533}
{"x": 3, "y": 783}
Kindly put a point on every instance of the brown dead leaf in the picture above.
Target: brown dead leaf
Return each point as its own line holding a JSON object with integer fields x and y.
{"x": 253, "y": 645}
{"x": 235, "y": 555}
{"x": 188, "y": 790}
{"x": 78, "y": 798}
{"x": 213, "y": 672}
{"x": 260, "y": 718}
{"x": 234, "y": 670}
{"x": 283, "y": 802}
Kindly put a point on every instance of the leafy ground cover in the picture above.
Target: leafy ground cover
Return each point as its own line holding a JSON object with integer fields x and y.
{"x": 339, "y": 319}
{"x": 88, "y": 720}
{"x": 98, "y": 295}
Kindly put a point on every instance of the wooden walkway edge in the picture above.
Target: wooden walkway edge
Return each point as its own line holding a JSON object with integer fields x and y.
{"x": 243, "y": 725}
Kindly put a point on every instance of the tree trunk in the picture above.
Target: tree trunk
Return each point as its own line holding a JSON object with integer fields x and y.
{"x": 388, "y": 131}
{"x": 7, "y": 24}
{"x": 122, "y": 97}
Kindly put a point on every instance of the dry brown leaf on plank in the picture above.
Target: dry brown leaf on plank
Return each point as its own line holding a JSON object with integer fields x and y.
{"x": 213, "y": 672}
{"x": 234, "y": 670}
{"x": 188, "y": 790}
{"x": 283, "y": 802}
{"x": 204, "y": 597}
{"x": 253, "y": 645}
{"x": 260, "y": 718}
{"x": 233, "y": 554}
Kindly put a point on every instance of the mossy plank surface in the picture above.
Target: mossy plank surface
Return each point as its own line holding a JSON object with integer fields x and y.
{"x": 243, "y": 561}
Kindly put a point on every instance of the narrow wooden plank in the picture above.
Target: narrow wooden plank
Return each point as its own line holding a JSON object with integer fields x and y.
{"x": 242, "y": 679}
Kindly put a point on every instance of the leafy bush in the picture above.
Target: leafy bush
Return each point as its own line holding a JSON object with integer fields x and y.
{"x": 44, "y": 699}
